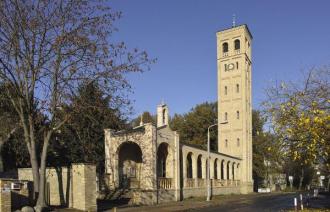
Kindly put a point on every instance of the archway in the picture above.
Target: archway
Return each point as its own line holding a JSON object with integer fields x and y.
{"x": 233, "y": 171}
{"x": 228, "y": 170}
{"x": 189, "y": 165}
{"x": 162, "y": 155}
{"x": 130, "y": 161}
{"x": 215, "y": 169}
{"x": 199, "y": 166}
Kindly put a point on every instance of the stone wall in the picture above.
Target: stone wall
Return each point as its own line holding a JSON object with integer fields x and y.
{"x": 13, "y": 199}
{"x": 5, "y": 201}
{"x": 57, "y": 186}
{"x": 75, "y": 187}
{"x": 201, "y": 192}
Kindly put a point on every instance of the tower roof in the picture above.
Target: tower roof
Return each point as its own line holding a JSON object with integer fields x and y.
{"x": 242, "y": 25}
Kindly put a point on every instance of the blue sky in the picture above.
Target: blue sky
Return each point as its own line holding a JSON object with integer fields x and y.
{"x": 289, "y": 36}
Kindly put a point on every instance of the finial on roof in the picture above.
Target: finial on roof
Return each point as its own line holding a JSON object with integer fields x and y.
{"x": 162, "y": 102}
{"x": 141, "y": 119}
{"x": 234, "y": 20}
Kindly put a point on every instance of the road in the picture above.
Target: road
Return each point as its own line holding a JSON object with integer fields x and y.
{"x": 250, "y": 202}
{"x": 266, "y": 202}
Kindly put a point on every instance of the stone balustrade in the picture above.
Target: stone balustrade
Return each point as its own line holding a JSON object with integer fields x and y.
{"x": 201, "y": 183}
{"x": 164, "y": 183}
{"x": 190, "y": 183}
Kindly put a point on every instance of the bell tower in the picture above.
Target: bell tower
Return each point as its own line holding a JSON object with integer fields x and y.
{"x": 234, "y": 98}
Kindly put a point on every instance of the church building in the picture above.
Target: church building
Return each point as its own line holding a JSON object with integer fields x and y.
{"x": 149, "y": 163}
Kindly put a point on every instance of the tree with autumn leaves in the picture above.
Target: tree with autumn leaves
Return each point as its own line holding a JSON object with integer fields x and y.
{"x": 300, "y": 115}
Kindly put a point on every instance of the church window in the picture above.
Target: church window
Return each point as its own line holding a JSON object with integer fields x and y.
{"x": 226, "y": 90}
{"x": 236, "y": 65}
{"x": 237, "y": 114}
{"x": 238, "y": 142}
{"x": 237, "y": 44}
{"x": 226, "y": 116}
{"x": 225, "y": 47}
{"x": 237, "y": 88}
{"x": 226, "y": 143}
{"x": 226, "y": 67}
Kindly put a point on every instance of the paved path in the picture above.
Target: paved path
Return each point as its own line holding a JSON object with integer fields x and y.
{"x": 251, "y": 202}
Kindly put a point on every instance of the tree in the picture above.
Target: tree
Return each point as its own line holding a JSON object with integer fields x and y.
{"x": 47, "y": 50}
{"x": 300, "y": 114}
{"x": 266, "y": 157}
{"x": 146, "y": 118}
{"x": 81, "y": 139}
{"x": 8, "y": 116}
{"x": 192, "y": 126}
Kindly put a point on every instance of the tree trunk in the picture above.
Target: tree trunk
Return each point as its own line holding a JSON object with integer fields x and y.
{"x": 41, "y": 202}
{"x": 301, "y": 179}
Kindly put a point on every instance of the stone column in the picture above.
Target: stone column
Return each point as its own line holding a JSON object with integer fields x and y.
{"x": 203, "y": 167}
{"x": 225, "y": 170}
{"x": 194, "y": 168}
{"x": 229, "y": 171}
{"x": 212, "y": 164}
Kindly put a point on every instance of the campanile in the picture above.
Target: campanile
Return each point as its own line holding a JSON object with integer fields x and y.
{"x": 234, "y": 98}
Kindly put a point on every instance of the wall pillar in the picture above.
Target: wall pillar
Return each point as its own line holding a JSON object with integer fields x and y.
{"x": 177, "y": 166}
{"x": 84, "y": 187}
{"x": 184, "y": 168}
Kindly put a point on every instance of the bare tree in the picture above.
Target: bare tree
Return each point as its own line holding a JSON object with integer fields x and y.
{"x": 47, "y": 49}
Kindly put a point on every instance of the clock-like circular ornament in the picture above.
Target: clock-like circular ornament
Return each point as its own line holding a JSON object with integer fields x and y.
{"x": 231, "y": 66}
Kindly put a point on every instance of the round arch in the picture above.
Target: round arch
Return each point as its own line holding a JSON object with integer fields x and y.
{"x": 199, "y": 166}
{"x": 162, "y": 157}
{"x": 215, "y": 172}
{"x": 189, "y": 165}
{"x": 228, "y": 170}
{"x": 129, "y": 161}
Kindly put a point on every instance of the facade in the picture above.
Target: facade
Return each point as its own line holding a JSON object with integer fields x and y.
{"x": 149, "y": 163}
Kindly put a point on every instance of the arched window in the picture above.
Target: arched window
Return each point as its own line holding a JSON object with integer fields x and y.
{"x": 226, "y": 90}
{"x": 237, "y": 88}
{"x": 164, "y": 115}
{"x": 237, "y": 44}
{"x": 225, "y": 47}
{"x": 226, "y": 143}
{"x": 238, "y": 142}
{"x": 237, "y": 114}
{"x": 236, "y": 65}
{"x": 226, "y": 116}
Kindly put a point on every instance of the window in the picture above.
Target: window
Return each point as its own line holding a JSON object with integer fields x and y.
{"x": 225, "y": 47}
{"x": 238, "y": 142}
{"x": 226, "y": 143}
{"x": 237, "y": 88}
{"x": 237, "y": 44}
{"x": 226, "y": 67}
{"x": 237, "y": 114}
{"x": 236, "y": 65}
{"x": 226, "y": 116}
{"x": 164, "y": 116}
{"x": 226, "y": 90}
